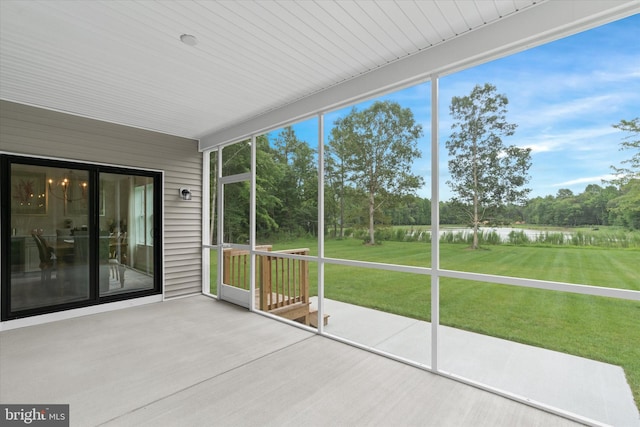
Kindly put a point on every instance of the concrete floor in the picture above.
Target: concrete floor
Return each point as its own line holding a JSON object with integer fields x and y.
{"x": 587, "y": 388}
{"x": 199, "y": 362}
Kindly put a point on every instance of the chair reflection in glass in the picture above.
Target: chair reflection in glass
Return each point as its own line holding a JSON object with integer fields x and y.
{"x": 118, "y": 255}
{"x": 79, "y": 267}
{"x": 46, "y": 254}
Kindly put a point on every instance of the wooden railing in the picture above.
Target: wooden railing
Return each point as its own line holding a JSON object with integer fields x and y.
{"x": 282, "y": 284}
{"x": 235, "y": 270}
{"x": 283, "y": 281}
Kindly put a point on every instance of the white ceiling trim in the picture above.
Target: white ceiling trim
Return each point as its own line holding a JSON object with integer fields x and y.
{"x": 530, "y": 27}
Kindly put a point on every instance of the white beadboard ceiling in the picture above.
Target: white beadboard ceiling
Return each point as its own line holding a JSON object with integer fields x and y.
{"x": 123, "y": 61}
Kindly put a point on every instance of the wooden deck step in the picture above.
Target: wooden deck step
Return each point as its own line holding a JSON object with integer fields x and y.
{"x": 294, "y": 311}
{"x": 313, "y": 318}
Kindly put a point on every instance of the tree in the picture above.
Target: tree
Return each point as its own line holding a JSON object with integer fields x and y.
{"x": 336, "y": 177}
{"x": 626, "y": 207}
{"x": 380, "y": 145}
{"x": 412, "y": 210}
{"x": 269, "y": 175}
{"x": 236, "y": 159}
{"x": 484, "y": 172}
{"x": 594, "y": 201}
{"x": 625, "y": 174}
{"x": 298, "y": 188}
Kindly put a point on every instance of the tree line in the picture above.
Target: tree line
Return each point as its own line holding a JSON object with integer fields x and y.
{"x": 367, "y": 167}
{"x": 597, "y": 205}
{"x": 369, "y": 181}
{"x": 286, "y": 188}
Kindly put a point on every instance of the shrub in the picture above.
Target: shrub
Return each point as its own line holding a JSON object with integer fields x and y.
{"x": 490, "y": 238}
{"x": 551, "y": 238}
{"x": 382, "y": 234}
{"x": 360, "y": 233}
{"x": 518, "y": 238}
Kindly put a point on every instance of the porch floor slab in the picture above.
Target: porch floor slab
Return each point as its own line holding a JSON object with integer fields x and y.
{"x": 200, "y": 362}
{"x": 588, "y": 388}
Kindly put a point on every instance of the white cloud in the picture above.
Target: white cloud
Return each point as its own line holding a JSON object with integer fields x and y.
{"x": 577, "y": 107}
{"x": 538, "y": 113}
{"x": 578, "y": 139}
{"x": 585, "y": 180}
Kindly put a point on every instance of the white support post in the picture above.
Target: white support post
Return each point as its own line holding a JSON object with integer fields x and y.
{"x": 435, "y": 226}
{"x": 206, "y": 208}
{"x": 321, "y": 223}
{"x": 220, "y": 202}
{"x": 252, "y": 228}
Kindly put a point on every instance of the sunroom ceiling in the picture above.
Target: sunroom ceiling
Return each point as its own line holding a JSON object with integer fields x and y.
{"x": 123, "y": 61}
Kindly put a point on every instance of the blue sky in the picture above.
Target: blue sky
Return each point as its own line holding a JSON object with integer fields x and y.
{"x": 564, "y": 96}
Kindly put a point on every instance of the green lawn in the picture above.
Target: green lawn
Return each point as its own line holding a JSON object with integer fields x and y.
{"x": 603, "y": 329}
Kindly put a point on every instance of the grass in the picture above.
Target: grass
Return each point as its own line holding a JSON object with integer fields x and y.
{"x": 603, "y": 329}
{"x": 598, "y": 328}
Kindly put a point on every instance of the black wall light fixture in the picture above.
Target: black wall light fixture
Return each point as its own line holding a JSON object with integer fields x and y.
{"x": 185, "y": 194}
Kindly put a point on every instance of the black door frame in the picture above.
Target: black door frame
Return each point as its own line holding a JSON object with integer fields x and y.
{"x": 94, "y": 170}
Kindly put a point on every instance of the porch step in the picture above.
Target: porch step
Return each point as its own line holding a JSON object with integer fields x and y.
{"x": 300, "y": 312}
{"x": 295, "y": 311}
{"x": 313, "y": 318}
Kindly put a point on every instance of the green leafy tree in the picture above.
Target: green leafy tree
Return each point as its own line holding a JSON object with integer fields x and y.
{"x": 269, "y": 174}
{"x": 452, "y": 212}
{"x": 541, "y": 210}
{"x": 236, "y": 159}
{"x": 336, "y": 181}
{"x": 591, "y": 207}
{"x": 412, "y": 210}
{"x": 566, "y": 209}
{"x": 594, "y": 202}
{"x": 484, "y": 172}
{"x": 631, "y": 142}
{"x": 626, "y": 207}
{"x": 298, "y": 188}
{"x": 379, "y": 145}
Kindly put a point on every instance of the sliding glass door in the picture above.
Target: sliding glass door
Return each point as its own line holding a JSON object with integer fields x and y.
{"x": 75, "y": 235}
{"x": 127, "y": 234}
{"x": 49, "y": 263}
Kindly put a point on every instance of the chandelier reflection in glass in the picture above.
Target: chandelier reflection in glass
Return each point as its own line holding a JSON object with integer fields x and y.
{"x": 69, "y": 189}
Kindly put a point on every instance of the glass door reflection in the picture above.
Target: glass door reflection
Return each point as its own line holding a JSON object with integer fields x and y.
{"x": 49, "y": 242}
{"x": 126, "y": 204}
